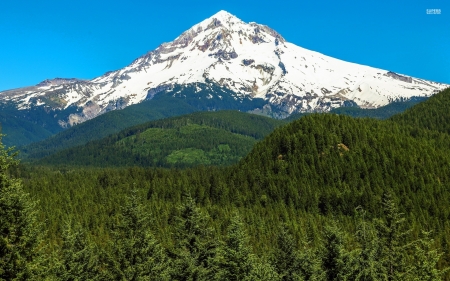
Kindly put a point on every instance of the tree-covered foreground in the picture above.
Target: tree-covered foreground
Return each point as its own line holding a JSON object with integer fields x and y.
{"x": 325, "y": 197}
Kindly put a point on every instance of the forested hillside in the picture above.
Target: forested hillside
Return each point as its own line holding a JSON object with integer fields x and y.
{"x": 433, "y": 114}
{"x": 202, "y": 138}
{"x": 325, "y": 197}
{"x": 106, "y": 124}
{"x": 22, "y": 128}
{"x": 162, "y": 105}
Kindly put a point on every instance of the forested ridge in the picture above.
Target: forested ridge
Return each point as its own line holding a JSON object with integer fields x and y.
{"x": 201, "y": 138}
{"x": 325, "y": 197}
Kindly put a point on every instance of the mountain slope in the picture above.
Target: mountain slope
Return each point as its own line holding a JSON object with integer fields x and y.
{"x": 206, "y": 138}
{"x": 106, "y": 124}
{"x": 320, "y": 168}
{"x": 247, "y": 60}
{"x": 433, "y": 114}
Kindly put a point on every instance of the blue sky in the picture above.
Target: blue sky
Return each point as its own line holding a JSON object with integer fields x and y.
{"x": 84, "y": 39}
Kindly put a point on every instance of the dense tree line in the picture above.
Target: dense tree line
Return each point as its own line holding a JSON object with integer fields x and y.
{"x": 326, "y": 197}
{"x": 378, "y": 250}
{"x": 319, "y": 169}
{"x": 109, "y": 123}
{"x": 170, "y": 102}
{"x": 207, "y": 138}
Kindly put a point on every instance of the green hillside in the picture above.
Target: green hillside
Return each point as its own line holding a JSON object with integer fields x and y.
{"x": 325, "y": 197}
{"x": 22, "y": 127}
{"x": 433, "y": 114}
{"x": 106, "y": 124}
{"x": 202, "y": 138}
{"x": 174, "y": 102}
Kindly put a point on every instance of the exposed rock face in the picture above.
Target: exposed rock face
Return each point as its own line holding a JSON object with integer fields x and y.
{"x": 246, "y": 61}
{"x": 57, "y": 82}
{"x": 399, "y": 77}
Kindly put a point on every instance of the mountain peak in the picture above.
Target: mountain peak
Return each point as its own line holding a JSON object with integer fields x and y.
{"x": 223, "y": 15}
{"x": 225, "y": 56}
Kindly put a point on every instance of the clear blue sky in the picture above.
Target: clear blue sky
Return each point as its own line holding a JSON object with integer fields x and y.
{"x": 84, "y": 39}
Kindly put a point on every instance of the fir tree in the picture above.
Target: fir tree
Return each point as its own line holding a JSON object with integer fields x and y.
{"x": 78, "y": 260}
{"x": 236, "y": 262}
{"x": 392, "y": 233}
{"x": 425, "y": 260}
{"x": 136, "y": 254}
{"x": 195, "y": 248}
{"x": 21, "y": 235}
{"x": 333, "y": 255}
{"x": 366, "y": 263}
{"x": 286, "y": 257}
{"x": 264, "y": 271}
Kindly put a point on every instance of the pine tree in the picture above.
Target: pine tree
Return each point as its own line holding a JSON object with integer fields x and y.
{"x": 311, "y": 265}
{"x": 135, "y": 253}
{"x": 392, "y": 234}
{"x": 286, "y": 257}
{"x": 264, "y": 271}
{"x": 21, "y": 234}
{"x": 366, "y": 262}
{"x": 195, "y": 248}
{"x": 235, "y": 261}
{"x": 425, "y": 260}
{"x": 333, "y": 255}
{"x": 78, "y": 260}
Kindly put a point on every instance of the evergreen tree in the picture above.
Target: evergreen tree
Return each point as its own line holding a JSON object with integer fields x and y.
{"x": 392, "y": 233}
{"x": 195, "y": 248}
{"x": 136, "y": 254}
{"x": 333, "y": 254}
{"x": 236, "y": 262}
{"x": 286, "y": 257}
{"x": 78, "y": 260}
{"x": 21, "y": 235}
{"x": 425, "y": 260}
{"x": 264, "y": 271}
{"x": 311, "y": 265}
{"x": 366, "y": 262}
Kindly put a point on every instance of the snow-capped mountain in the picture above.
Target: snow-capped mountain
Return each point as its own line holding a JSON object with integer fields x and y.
{"x": 223, "y": 55}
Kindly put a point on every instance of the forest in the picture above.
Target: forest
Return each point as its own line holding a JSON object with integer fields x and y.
{"x": 324, "y": 197}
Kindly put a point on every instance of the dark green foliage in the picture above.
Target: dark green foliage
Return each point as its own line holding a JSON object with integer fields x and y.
{"x": 78, "y": 259}
{"x": 366, "y": 264}
{"x": 333, "y": 254}
{"x": 135, "y": 253}
{"x": 177, "y": 101}
{"x": 195, "y": 249}
{"x": 22, "y": 127}
{"x": 314, "y": 175}
{"x": 286, "y": 259}
{"x": 235, "y": 261}
{"x": 432, "y": 114}
{"x": 392, "y": 233}
{"x": 202, "y": 138}
{"x": 20, "y": 229}
{"x": 106, "y": 124}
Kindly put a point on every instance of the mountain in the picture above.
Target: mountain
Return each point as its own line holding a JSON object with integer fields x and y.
{"x": 382, "y": 112}
{"x": 160, "y": 107}
{"x": 201, "y": 138}
{"x": 224, "y": 58}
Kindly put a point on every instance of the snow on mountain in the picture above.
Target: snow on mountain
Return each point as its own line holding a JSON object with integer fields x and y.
{"x": 249, "y": 59}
